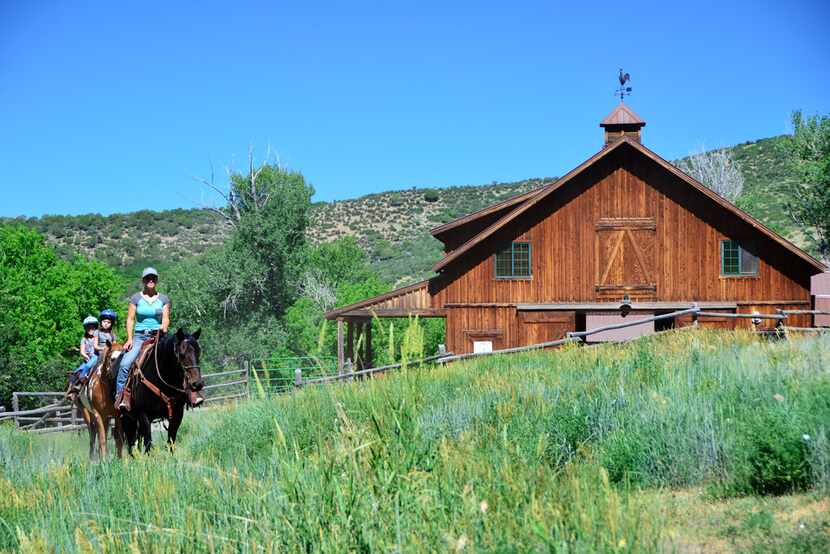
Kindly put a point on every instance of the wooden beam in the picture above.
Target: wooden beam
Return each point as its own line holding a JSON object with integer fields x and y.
{"x": 340, "y": 353}
{"x": 368, "y": 345}
{"x": 350, "y": 325}
{"x": 393, "y": 312}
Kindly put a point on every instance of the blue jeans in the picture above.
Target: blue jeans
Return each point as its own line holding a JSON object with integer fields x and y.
{"x": 127, "y": 359}
{"x": 83, "y": 369}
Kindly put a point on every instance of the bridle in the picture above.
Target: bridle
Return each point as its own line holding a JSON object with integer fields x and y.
{"x": 185, "y": 367}
{"x": 157, "y": 391}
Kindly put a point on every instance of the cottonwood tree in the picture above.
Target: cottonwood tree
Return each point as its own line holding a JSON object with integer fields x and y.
{"x": 267, "y": 208}
{"x": 808, "y": 150}
{"x": 716, "y": 169}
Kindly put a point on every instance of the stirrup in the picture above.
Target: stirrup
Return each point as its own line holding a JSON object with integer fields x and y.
{"x": 122, "y": 401}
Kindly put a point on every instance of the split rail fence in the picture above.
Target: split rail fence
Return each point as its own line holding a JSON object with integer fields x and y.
{"x": 51, "y": 413}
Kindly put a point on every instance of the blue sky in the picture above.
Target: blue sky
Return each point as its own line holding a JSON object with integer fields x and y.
{"x": 112, "y": 106}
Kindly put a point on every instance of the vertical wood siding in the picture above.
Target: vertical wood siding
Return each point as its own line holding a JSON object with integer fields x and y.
{"x": 671, "y": 236}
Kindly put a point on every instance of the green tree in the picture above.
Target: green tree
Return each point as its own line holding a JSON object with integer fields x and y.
{"x": 44, "y": 300}
{"x": 268, "y": 210}
{"x": 337, "y": 273}
{"x": 809, "y": 152}
{"x": 239, "y": 292}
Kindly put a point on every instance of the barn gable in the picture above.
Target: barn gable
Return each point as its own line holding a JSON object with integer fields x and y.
{"x": 704, "y": 199}
{"x": 623, "y": 225}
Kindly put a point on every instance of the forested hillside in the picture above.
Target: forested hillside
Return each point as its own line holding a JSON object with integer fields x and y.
{"x": 392, "y": 227}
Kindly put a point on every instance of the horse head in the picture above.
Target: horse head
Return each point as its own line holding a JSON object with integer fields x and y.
{"x": 110, "y": 357}
{"x": 187, "y": 351}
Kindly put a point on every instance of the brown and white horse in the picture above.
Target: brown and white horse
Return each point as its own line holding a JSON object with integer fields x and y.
{"x": 96, "y": 402}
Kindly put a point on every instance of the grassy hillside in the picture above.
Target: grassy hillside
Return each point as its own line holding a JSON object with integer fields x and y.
{"x": 680, "y": 442}
{"x": 393, "y": 226}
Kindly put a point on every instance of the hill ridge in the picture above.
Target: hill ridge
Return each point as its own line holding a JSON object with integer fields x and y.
{"x": 392, "y": 226}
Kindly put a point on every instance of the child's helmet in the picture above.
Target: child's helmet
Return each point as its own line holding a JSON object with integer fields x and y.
{"x": 108, "y": 314}
{"x": 90, "y": 320}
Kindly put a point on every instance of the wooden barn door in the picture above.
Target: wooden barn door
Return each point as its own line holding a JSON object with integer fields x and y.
{"x": 625, "y": 258}
{"x": 545, "y": 326}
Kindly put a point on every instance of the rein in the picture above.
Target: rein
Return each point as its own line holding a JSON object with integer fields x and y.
{"x": 168, "y": 401}
{"x": 158, "y": 373}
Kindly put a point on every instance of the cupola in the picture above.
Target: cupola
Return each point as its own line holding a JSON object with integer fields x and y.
{"x": 622, "y": 122}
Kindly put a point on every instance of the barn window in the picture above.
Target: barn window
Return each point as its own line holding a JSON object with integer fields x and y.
{"x": 737, "y": 260}
{"x": 513, "y": 262}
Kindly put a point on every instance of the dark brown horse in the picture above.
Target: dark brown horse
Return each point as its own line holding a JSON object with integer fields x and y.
{"x": 168, "y": 379}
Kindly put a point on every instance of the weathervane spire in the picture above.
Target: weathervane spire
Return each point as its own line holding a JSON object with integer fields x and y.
{"x": 623, "y": 91}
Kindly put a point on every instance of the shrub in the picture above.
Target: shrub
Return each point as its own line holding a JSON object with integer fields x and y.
{"x": 775, "y": 454}
{"x": 431, "y": 195}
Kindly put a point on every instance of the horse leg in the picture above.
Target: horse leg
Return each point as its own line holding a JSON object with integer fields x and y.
{"x": 118, "y": 436}
{"x": 145, "y": 429}
{"x": 101, "y": 426}
{"x": 173, "y": 427}
{"x": 128, "y": 426}
{"x": 90, "y": 427}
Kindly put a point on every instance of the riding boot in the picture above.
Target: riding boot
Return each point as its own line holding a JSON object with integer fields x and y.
{"x": 122, "y": 401}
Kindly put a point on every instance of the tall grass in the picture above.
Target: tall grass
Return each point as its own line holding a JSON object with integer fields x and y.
{"x": 534, "y": 452}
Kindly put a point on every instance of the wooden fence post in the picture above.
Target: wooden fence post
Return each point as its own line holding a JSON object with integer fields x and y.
{"x": 246, "y": 365}
{"x": 298, "y": 378}
{"x": 340, "y": 353}
{"x": 348, "y": 370}
{"x": 15, "y": 407}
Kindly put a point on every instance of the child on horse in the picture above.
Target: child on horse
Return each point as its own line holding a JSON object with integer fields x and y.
{"x": 106, "y": 332}
{"x": 88, "y": 353}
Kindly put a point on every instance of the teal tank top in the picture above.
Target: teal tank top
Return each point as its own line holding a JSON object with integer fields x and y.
{"x": 148, "y": 314}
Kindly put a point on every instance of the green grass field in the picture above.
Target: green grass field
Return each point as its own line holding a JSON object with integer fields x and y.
{"x": 691, "y": 441}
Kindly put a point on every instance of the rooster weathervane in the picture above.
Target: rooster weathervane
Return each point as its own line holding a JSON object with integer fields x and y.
{"x": 623, "y": 91}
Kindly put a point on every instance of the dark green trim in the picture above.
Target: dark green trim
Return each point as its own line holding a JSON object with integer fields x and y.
{"x": 513, "y": 255}
{"x": 739, "y": 253}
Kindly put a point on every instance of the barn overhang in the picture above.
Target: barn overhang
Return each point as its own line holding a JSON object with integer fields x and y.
{"x": 354, "y": 322}
{"x": 412, "y": 300}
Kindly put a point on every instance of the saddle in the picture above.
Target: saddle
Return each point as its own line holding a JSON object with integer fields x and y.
{"x": 134, "y": 372}
{"x": 136, "y": 377}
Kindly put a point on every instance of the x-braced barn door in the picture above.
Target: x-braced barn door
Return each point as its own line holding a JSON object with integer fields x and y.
{"x": 625, "y": 258}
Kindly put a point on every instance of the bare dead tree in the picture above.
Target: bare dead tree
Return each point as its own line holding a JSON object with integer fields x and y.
{"x": 716, "y": 169}
{"x": 316, "y": 287}
{"x": 238, "y": 199}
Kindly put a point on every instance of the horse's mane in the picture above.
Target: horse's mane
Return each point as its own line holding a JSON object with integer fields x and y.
{"x": 167, "y": 351}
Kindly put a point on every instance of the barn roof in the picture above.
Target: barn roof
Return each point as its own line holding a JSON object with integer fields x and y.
{"x": 437, "y": 232}
{"x": 410, "y": 300}
{"x": 625, "y": 142}
{"x": 622, "y": 115}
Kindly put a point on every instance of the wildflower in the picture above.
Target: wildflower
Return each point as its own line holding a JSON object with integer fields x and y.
{"x": 461, "y": 543}
{"x": 621, "y": 544}
{"x": 805, "y": 437}
{"x": 483, "y": 506}
{"x": 778, "y": 397}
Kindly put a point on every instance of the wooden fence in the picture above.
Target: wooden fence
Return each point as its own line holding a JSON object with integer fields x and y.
{"x": 237, "y": 384}
{"x": 45, "y": 412}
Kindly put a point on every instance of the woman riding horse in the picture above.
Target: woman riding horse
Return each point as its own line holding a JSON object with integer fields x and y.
{"x": 167, "y": 380}
{"x": 148, "y": 314}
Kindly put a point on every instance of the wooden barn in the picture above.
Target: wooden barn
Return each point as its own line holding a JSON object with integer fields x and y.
{"x": 561, "y": 258}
